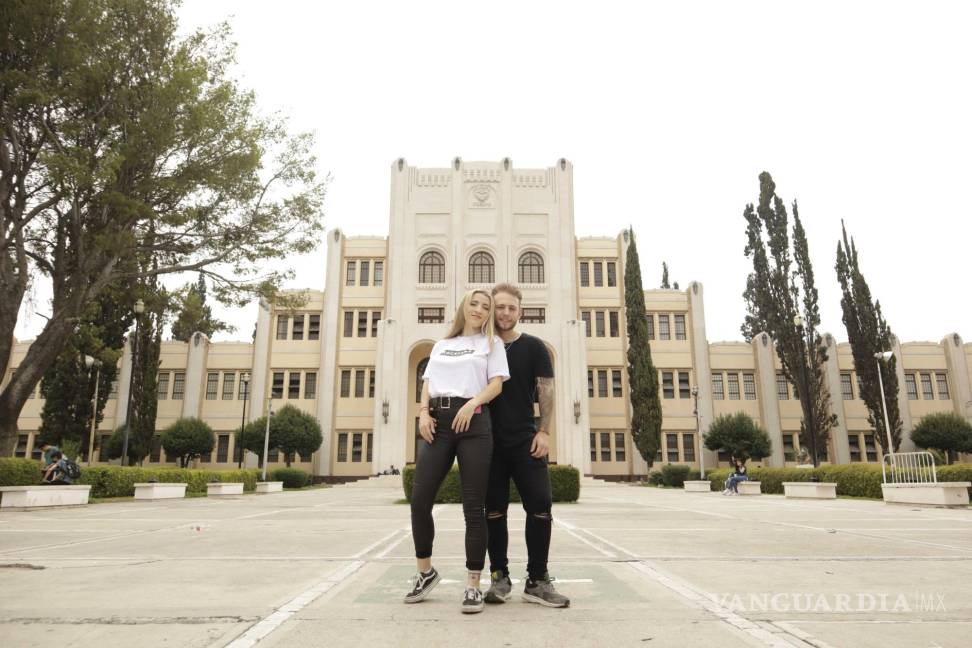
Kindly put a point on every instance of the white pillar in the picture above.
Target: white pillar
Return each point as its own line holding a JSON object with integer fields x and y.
{"x": 124, "y": 384}
{"x": 195, "y": 375}
{"x": 330, "y": 337}
{"x": 832, "y": 377}
{"x": 703, "y": 369}
{"x": 391, "y": 379}
{"x": 764, "y": 352}
{"x": 959, "y": 385}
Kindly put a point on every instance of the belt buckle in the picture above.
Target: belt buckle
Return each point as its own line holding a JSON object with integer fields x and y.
{"x": 447, "y": 400}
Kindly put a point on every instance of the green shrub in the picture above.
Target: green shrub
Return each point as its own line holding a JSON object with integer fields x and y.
{"x": 564, "y": 482}
{"x": 291, "y": 477}
{"x": 674, "y": 475}
{"x": 956, "y": 473}
{"x": 655, "y": 478}
{"x": 117, "y": 481}
{"x": 20, "y": 472}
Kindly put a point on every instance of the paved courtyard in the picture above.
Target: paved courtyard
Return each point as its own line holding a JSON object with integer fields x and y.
{"x": 642, "y": 567}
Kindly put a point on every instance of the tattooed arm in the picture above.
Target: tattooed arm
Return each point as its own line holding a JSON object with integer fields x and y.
{"x": 545, "y": 394}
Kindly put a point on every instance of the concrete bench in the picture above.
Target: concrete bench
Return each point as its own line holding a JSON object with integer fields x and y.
{"x": 697, "y": 486}
{"x": 749, "y": 488}
{"x": 224, "y": 488}
{"x": 936, "y": 494}
{"x": 17, "y": 497}
{"x": 160, "y": 490}
{"x": 269, "y": 487}
{"x": 810, "y": 490}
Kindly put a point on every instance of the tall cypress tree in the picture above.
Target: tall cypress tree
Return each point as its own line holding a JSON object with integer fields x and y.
{"x": 646, "y": 412}
{"x": 776, "y": 292}
{"x": 664, "y": 282}
{"x": 868, "y": 334}
{"x": 195, "y": 315}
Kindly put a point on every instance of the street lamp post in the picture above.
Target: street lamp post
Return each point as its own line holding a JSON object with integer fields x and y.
{"x": 266, "y": 437}
{"x": 806, "y": 391}
{"x": 92, "y": 362}
{"x": 884, "y": 356}
{"x": 245, "y": 384}
{"x": 139, "y": 309}
{"x": 698, "y": 430}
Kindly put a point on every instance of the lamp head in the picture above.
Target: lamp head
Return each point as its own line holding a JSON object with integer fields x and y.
{"x": 797, "y": 320}
{"x": 88, "y": 361}
{"x": 139, "y": 307}
{"x": 884, "y": 355}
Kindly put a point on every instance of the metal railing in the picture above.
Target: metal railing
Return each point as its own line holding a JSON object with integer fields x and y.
{"x": 909, "y": 468}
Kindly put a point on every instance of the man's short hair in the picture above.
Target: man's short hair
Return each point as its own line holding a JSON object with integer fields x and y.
{"x": 509, "y": 289}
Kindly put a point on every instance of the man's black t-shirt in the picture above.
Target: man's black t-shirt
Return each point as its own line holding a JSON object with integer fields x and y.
{"x": 512, "y": 411}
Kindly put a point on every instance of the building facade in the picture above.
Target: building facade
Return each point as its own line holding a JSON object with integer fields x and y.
{"x": 352, "y": 354}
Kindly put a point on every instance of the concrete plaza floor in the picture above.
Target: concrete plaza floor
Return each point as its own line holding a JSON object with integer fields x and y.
{"x": 642, "y": 566}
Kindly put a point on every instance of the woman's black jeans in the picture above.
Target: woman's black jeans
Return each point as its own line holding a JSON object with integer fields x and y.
{"x": 474, "y": 447}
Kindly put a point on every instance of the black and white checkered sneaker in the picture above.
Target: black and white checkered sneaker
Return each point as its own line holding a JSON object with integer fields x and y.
{"x": 472, "y": 601}
{"x": 423, "y": 583}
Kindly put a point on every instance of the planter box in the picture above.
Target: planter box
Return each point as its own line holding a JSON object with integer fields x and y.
{"x": 697, "y": 486}
{"x": 157, "y": 491}
{"x": 269, "y": 487}
{"x": 749, "y": 488}
{"x": 15, "y": 497}
{"x": 810, "y": 490}
{"x": 938, "y": 494}
{"x": 224, "y": 488}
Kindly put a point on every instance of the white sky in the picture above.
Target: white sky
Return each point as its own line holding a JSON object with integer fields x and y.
{"x": 668, "y": 111}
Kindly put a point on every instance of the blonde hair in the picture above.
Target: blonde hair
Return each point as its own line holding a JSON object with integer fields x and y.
{"x": 459, "y": 321}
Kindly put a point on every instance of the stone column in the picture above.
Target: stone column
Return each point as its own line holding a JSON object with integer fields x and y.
{"x": 573, "y": 441}
{"x": 703, "y": 369}
{"x": 331, "y": 323}
{"x": 195, "y": 375}
{"x": 764, "y": 353}
{"x": 832, "y": 376}
{"x": 391, "y": 365}
{"x": 958, "y": 375}
{"x": 124, "y": 384}
{"x": 907, "y": 425}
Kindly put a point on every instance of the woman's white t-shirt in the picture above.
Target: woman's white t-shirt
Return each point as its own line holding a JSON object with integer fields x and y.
{"x": 463, "y": 366}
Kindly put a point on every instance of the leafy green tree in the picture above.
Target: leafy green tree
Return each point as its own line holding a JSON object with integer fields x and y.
{"x": 739, "y": 435}
{"x": 188, "y": 438}
{"x": 945, "y": 431}
{"x": 868, "y": 334}
{"x": 776, "y": 293}
{"x": 291, "y": 430}
{"x": 128, "y": 152}
{"x": 646, "y": 412}
{"x": 195, "y": 314}
{"x": 138, "y": 449}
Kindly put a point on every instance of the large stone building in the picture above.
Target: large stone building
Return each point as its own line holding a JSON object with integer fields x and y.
{"x": 351, "y": 355}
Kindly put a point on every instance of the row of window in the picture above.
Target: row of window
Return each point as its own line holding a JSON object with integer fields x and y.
{"x": 436, "y": 315}
{"x": 869, "y": 447}
{"x": 664, "y": 326}
{"x": 731, "y": 379}
{"x": 296, "y": 332}
{"x": 358, "y": 272}
{"x": 233, "y": 386}
{"x": 359, "y": 450}
{"x": 608, "y": 445}
{"x": 293, "y": 380}
{"x": 482, "y": 269}
{"x": 361, "y": 376}
{"x": 362, "y": 318}
{"x": 599, "y": 317}
{"x": 598, "y": 273}
{"x": 669, "y": 449}
{"x": 601, "y": 376}
{"x": 927, "y": 393}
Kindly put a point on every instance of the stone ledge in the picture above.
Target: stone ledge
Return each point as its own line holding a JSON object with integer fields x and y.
{"x": 697, "y": 486}
{"x": 22, "y": 497}
{"x": 224, "y": 488}
{"x": 160, "y": 490}
{"x": 810, "y": 490}
{"x": 269, "y": 487}
{"x": 749, "y": 488}
{"x": 929, "y": 494}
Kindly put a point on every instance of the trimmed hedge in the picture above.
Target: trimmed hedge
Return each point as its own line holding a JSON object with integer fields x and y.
{"x": 291, "y": 477}
{"x": 20, "y": 472}
{"x": 564, "y": 482}
{"x": 116, "y": 481}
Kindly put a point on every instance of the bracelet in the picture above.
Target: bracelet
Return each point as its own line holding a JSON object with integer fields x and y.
{"x": 424, "y": 408}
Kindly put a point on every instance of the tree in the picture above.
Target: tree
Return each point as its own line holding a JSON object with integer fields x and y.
{"x": 945, "y": 431}
{"x": 145, "y": 368}
{"x": 188, "y": 438}
{"x": 195, "y": 315}
{"x": 739, "y": 435}
{"x": 646, "y": 412}
{"x": 776, "y": 292}
{"x": 868, "y": 334}
{"x": 120, "y": 141}
{"x": 664, "y": 281}
{"x": 291, "y": 430}
{"x": 138, "y": 449}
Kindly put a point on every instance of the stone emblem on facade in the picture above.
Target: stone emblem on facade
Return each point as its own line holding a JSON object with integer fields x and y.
{"x": 481, "y": 196}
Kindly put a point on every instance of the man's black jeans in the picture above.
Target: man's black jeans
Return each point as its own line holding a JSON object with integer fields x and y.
{"x": 532, "y": 479}
{"x": 473, "y": 449}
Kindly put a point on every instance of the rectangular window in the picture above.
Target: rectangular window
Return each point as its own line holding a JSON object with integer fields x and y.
{"x": 534, "y": 316}
{"x": 599, "y": 323}
{"x": 598, "y": 273}
{"x": 612, "y": 274}
{"x": 671, "y": 446}
{"x": 356, "y": 447}
{"x": 345, "y": 383}
{"x": 371, "y": 436}
{"x": 593, "y": 446}
{"x": 854, "y": 443}
{"x": 371, "y": 384}
{"x": 749, "y": 386}
{"x": 342, "y": 449}
{"x": 585, "y": 275}
{"x": 310, "y": 385}
{"x": 362, "y": 323}
{"x": 431, "y": 315}
{"x": 718, "y": 392}
{"x": 364, "y": 276}
{"x": 602, "y": 383}
{"x": 651, "y": 326}
{"x": 668, "y": 384}
{"x": 679, "y": 327}
{"x": 283, "y": 323}
{"x": 688, "y": 447}
{"x": 619, "y": 446}
{"x": 35, "y": 450}
{"x": 733, "y": 379}
{"x": 352, "y": 266}
{"x": 590, "y": 383}
{"x": 869, "y": 447}
{"x": 613, "y": 323}
{"x": 229, "y": 384}
{"x": 664, "y": 333}
{"x": 273, "y": 455}
{"x": 782, "y": 388}
{"x": 942, "y": 386}
{"x": 926, "y": 387}
{"x": 605, "y": 445}
{"x": 685, "y": 389}
{"x": 314, "y": 327}
{"x": 21, "y": 449}
{"x": 293, "y": 385}
{"x": 212, "y": 385}
{"x": 616, "y": 383}
{"x": 359, "y": 383}
{"x": 298, "y": 333}
{"x": 846, "y": 386}
{"x": 178, "y": 385}
{"x": 222, "y": 448}
{"x": 162, "y": 390}
{"x": 375, "y": 318}
{"x": 379, "y": 274}
{"x": 244, "y": 386}
{"x": 912, "y": 387}
{"x": 156, "y": 454}
{"x": 348, "y": 323}
{"x": 586, "y": 318}
{"x": 276, "y": 389}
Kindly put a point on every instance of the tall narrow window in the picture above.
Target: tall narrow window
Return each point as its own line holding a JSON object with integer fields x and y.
{"x": 348, "y": 323}
{"x": 178, "y": 385}
{"x": 362, "y": 323}
{"x": 162, "y": 392}
{"x": 846, "y": 386}
{"x": 222, "y": 448}
{"x": 854, "y": 443}
{"x": 371, "y": 442}
{"x": 679, "y": 327}
{"x": 605, "y": 446}
{"x": 229, "y": 384}
{"x": 293, "y": 385}
{"x": 314, "y": 327}
{"x": 668, "y": 384}
{"x": 651, "y": 326}
{"x": 616, "y": 383}
{"x": 283, "y": 323}
{"x": 277, "y": 387}
{"x": 612, "y": 274}
{"x": 942, "y": 386}
{"x": 664, "y": 333}
{"x": 481, "y": 268}
{"x": 590, "y": 383}
{"x": 244, "y": 389}
{"x": 342, "y": 449}
{"x": 718, "y": 392}
{"x": 345, "y": 383}
{"x": 926, "y": 387}
{"x": 593, "y": 446}
{"x": 685, "y": 389}
{"x": 782, "y": 388}
{"x": 298, "y": 333}
{"x": 733, "y": 379}
{"x": 869, "y": 447}
{"x": 602, "y": 383}
{"x": 379, "y": 274}
{"x": 359, "y": 383}
{"x": 586, "y": 318}
{"x": 212, "y": 385}
{"x": 671, "y": 446}
{"x": 619, "y": 446}
{"x": 356, "y": 447}
{"x": 375, "y": 318}
{"x": 531, "y": 268}
{"x": 310, "y": 385}
{"x": 585, "y": 274}
{"x": 371, "y": 383}
{"x": 431, "y": 268}
{"x": 912, "y": 387}
{"x": 352, "y": 265}
{"x": 613, "y": 323}
{"x": 749, "y": 385}
{"x": 365, "y": 273}
{"x": 599, "y": 323}
{"x": 598, "y": 274}
{"x": 688, "y": 447}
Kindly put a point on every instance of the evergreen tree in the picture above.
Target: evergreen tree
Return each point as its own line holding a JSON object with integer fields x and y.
{"x": 646, "y": 412}
{"x": 868, "y": 334}
{"x": 145, "y": 399}
{"x": 188, "y": 438}
{"x": 945, "y": 431}
{"x": 195, "y": 315}
{"x": 664, "y": 283}
{"x": 776, "y": 292}
{"x": 740, "y": 436}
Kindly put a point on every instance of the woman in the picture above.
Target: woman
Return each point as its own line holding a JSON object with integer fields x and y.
{"x": 739, "y": 475}
{"x": 466, "y": 370}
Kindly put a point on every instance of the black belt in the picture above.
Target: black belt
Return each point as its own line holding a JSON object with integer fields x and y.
{"x": 447, "y": 402}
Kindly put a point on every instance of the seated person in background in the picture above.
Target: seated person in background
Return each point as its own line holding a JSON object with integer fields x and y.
{"x": 57, "y": 471}
{"x": 739, "y": 475}
{"x": 48, "y": 451}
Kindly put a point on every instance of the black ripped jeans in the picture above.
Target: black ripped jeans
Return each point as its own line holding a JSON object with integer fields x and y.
{"x": 532, "y": 479}
{"x": 473, "y": 449}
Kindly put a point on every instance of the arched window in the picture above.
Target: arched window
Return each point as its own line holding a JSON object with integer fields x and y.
{"x": 531, "y": 268}
{"x": 481, "y": 268}
{"x": 431, "y": 268}
{"x": 419, "y": 371}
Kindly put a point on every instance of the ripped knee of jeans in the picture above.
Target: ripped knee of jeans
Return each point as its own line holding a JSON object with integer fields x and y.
{"x": 545, "y": 516}
{"x": 495, "y": 515}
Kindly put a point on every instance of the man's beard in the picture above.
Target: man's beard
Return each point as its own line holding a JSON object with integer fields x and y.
{"x": 500, "y": 327}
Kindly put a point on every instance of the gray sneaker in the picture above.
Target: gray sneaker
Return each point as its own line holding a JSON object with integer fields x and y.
{"x": 472, "y": 601}
{"x": 542, "y": 591}
{"x": 500, "y": 588}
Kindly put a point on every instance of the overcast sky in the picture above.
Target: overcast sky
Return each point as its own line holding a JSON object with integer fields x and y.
{"x": 668, "y": 111}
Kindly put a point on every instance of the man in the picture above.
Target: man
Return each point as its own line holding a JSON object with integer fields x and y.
{"x": 520, "y": 448}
